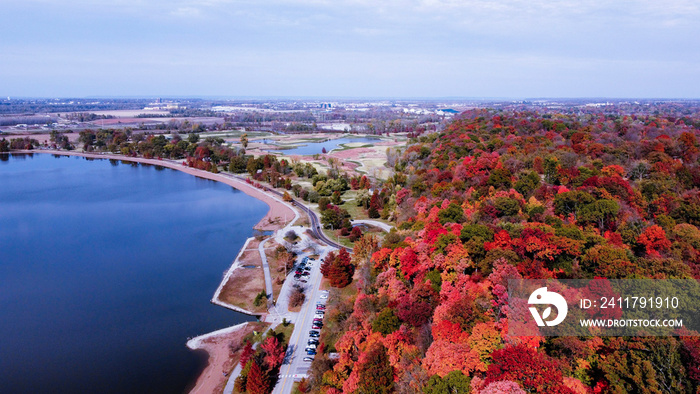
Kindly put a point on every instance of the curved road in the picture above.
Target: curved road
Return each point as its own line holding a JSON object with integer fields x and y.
{"x": 313, "y": 218}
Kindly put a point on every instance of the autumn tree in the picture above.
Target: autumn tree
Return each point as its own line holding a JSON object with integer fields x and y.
{"x": 654, "y": 240}
{"x": 338, "y": 268}
{"x": 247, "y": 353}
{"x": 257, "y": 381}
{"x": 375, "y": 374}
{"x": 274, "y": 352}
{"x": 534, "y": 371}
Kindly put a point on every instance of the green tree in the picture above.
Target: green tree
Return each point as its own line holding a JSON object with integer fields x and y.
{"x": 500, "y": 178}
{"x": 601, "y": 212}
{"x": 193, "y": 138}
{"x": 527, "y": 183}
{"x": 571, "y": 202}
{"x": 551, "y": 170}
{"x": 386, "y": 322}
{"x": 453, "y": 383}
{"x": 452, "y": 214}
{"x": 506, "y": 206}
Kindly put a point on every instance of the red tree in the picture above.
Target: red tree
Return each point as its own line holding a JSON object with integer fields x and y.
{"x": 247, "y": 353}
{"x": 338, "y": 269}
{"x": 654, "y": 239}
{"x": 534, "y": 371}
{"x": 257, "y": 382}
{"x": 274, "y": 352}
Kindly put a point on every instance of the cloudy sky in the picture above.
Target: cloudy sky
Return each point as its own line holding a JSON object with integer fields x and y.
{"x": 351, "y": 48}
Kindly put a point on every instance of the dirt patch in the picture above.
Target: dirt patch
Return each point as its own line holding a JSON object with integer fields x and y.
{"x": 245, "y": 284}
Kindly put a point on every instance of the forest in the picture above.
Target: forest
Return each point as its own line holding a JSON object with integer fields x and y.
{"x": 519, "y": 194}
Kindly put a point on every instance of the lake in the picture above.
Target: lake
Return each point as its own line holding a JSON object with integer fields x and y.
{"x": 313, "y": 148}
{"x": 107, "y": 268}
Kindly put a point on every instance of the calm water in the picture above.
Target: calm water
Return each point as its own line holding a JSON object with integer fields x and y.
{"x": 317, "y": 147}
{"x": 106, "y": 269}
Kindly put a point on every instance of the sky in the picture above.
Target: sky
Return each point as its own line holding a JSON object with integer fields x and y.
{"x": 350, "y": 48}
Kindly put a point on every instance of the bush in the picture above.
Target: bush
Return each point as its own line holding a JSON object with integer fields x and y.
{"x": 259, "y": 298}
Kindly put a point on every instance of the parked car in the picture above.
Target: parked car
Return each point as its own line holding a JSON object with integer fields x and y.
{"x": 319, "y": 317}
{"x": 324, "y": 296}
{"x": 316, "y": 326}
{"x": 311, "y": 352}
{"x": 311, "y": 346}
{"x": 315, "y": 335}
{"x": 304, "y": 281}
{"x": 312, "y": 332}
{"x": 313, "y": 342}
{"x": 308, "y": 359}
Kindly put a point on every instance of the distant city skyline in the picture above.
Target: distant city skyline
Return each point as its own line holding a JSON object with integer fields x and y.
{"x": 350, "y": 49}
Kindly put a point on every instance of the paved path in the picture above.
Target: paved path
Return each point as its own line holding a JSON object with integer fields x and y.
{"x": 266, "y": 271}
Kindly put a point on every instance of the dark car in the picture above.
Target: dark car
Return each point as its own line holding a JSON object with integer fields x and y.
{"x": 298, "y": 272}
{"x": 311, "y": 352}
{"x": 314, "y": 335}
{"x": 313, "y": 332}
{"x": 313, "y": 342}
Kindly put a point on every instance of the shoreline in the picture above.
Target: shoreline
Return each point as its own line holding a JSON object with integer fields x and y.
{"x": 234, "y": 266}
{"x": 220, "y": 364}
{"x": 216, "y": 343}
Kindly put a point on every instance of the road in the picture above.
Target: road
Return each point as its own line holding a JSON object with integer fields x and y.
{"x": 313, "y": 218}
{"x": 294, "y": 367}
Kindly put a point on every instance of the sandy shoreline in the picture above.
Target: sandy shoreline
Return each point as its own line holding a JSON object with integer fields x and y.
{"x": 220, "y": 363}
{"x": 217, "y": 343}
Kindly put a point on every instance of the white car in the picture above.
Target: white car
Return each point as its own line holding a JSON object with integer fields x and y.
{"x": 311, "y": 346}
{"x": 323, "y": 296}
{"x": 317, "y": 316}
